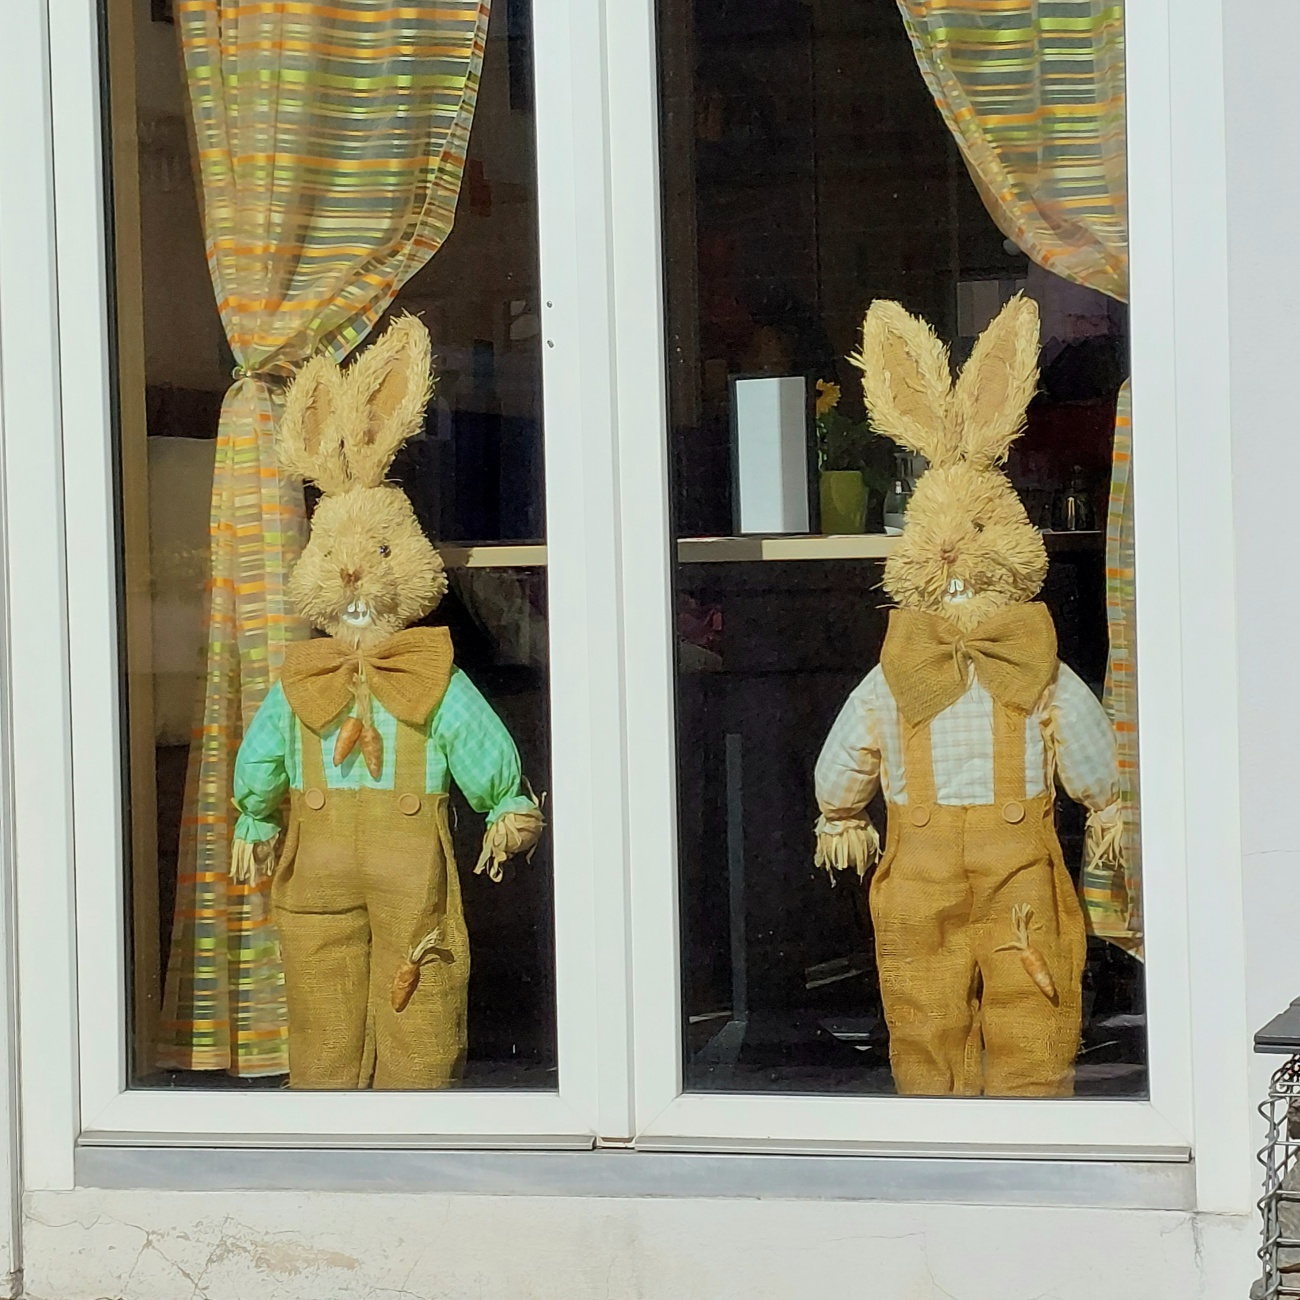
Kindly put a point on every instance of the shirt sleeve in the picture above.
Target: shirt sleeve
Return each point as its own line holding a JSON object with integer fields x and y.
{"x": 1083, "y": 740}
{"x": 848, "y": 768}
{"x": 480, "y": 754}
{"x": 261, "y": 774}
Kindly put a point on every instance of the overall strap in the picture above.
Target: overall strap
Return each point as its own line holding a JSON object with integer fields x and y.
{"x": 1009, "y": 728}
{"x": 918, "y": 764}
{"x": 411, "y": 763}
{"x": 313, "y": 761}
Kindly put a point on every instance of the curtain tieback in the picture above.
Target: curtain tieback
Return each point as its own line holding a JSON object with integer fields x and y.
{"x": 269, "y": 376}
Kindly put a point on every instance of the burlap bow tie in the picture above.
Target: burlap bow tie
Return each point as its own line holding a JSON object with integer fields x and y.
{"x": 927, "y": 660}
{"x": 408, "y": 675}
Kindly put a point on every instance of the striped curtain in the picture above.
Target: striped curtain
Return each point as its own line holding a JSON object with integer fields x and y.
{"x": 330, "y": 143}
{"x": 1033, "y": 93}
{"x": 1115, "y": 912}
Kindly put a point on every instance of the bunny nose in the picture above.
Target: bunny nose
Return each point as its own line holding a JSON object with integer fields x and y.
{"x": 948, "y": 551}
{"x": 350, "y": 577}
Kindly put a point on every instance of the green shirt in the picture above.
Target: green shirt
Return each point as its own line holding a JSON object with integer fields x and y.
{"x": 467, "y": 743}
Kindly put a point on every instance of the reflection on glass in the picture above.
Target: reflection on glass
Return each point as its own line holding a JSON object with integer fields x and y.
{"x": 808, "y": 172}
{"x": 207, "y": 986}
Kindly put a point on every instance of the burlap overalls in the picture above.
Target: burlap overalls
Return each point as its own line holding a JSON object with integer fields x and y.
{"x": 963, "y": 1016}
{"x": 364, "y": 876}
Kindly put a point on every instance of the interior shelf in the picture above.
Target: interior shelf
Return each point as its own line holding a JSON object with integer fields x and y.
{"x": 738, "y": 550}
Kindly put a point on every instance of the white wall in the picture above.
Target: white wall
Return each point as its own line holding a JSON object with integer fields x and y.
{"x": 88, "y": 1245}
{"x": 1264, "y": 185}
{"x": 9, "y": 1262}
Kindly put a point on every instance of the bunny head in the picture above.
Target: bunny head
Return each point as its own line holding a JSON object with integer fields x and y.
{"x": 967, "y": 548}
{"x": 368, "y": 570}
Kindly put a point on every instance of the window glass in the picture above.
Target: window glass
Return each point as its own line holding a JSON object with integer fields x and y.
{"x": 320, "y": 926}
{"x": 818, "y": 159}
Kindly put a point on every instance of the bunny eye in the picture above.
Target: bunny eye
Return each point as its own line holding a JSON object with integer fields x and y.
{"x": 384, "y": 551}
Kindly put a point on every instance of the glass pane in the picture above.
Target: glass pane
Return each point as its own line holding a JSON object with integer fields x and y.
{"x": 808, "y": 173}
{"x": 375, "y": 763}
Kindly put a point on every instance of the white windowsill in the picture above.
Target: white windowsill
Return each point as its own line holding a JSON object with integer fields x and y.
{"x": 1150, "y": 1185}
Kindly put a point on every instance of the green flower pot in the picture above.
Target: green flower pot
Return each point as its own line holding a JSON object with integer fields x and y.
{"x": 843, "y": 501}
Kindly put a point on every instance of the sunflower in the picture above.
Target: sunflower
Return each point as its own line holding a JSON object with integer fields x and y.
{"x": 828, "y": 397}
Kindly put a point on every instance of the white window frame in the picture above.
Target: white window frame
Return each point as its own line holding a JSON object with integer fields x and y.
{"x": 618, "y": 974}
{"x": 70, "y": 821}
{"x": 1191, "y": 867}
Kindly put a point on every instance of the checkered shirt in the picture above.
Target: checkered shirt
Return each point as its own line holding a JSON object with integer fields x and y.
{"x": 864, "y": 750}
{"x": 467, "y": 743}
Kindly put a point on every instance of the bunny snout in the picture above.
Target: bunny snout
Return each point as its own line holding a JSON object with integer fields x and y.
{"x": 349, "y": 577}
{"x": 949, "y": 549}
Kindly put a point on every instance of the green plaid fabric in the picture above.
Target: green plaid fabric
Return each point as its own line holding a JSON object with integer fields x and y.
{"x": 468, "y": 743}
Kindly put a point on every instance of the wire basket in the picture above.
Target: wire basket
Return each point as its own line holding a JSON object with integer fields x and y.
{"x": 1280, "y": 1205}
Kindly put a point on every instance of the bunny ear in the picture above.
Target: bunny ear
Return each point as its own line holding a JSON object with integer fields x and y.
{"x": 906, "y": 381}
{"x": 997, "y": 383}
{"x": 388, "y": 387}
{"x": 308, "y": 441}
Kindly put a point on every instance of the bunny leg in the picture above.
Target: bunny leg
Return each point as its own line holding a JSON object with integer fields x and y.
{"x": 326, "y": 981}
{"x": 920, "y": 906}
{"x": 413, "y": 899}
{"x": 1031, "y": 1025}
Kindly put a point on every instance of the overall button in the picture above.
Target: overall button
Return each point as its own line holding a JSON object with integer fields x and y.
{"x": 314, "y": 799}
{"x": 1014, "y": 811}
{"x": 919, "y": 816}
{"x": 409, "y": 804}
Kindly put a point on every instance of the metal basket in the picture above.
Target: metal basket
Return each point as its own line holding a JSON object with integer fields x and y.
{"x": 1280, "y": 1205}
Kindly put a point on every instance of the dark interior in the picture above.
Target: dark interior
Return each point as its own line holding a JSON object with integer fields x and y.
{"x": 475, "y": 475}
{"x": 806, "y": 173}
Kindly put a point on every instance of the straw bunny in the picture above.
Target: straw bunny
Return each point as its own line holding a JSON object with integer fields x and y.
{"x": 363, "y": 732}
{"x": 966, "y": 724}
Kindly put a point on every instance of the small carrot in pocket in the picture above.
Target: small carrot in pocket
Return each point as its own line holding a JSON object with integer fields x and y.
{"x": 1031, "y": 959}
{"x": 345, "y": 742}
{"x": 407, "y": 979}
{"x": 405, "y": 982}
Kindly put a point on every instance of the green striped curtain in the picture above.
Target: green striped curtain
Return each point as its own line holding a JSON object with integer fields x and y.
{"x": 1113, "y": 912}
{"x": 1033, "y": 93}
{"x": 331, "y": 143}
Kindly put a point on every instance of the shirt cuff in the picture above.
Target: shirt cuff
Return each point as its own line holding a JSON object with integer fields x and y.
{"x": 255, "y": 830}
{"x": 845, "y": 842}
{"x": 515, "y": 803}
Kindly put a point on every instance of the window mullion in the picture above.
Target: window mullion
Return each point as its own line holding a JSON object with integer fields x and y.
{"x": 583, "y": 543}
{"x": 647, "y": 601}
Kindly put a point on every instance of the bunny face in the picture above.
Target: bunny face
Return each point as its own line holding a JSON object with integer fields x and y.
{"x": 367, "y": 571}
{"x": 968, "y": 548}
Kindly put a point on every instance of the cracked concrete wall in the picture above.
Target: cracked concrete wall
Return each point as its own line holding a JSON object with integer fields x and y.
{"x": 115, "y": 1245}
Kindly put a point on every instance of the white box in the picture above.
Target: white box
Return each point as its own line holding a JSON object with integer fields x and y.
{"x": 770, "y": 423}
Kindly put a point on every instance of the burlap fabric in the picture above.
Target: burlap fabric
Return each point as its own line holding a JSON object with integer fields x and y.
{"x": 927, "y": 660}
{"x": 365, "y": 876}
{"x": 408, "y": 674}
{"x": 964, "y": 1014}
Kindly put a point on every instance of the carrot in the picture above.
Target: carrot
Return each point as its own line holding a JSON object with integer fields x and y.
{"x": 372, "y": 750}
{"x": 1036, "y": 965}
{"x": 1031, "y": 959}
{"x": 407, "y": 979}
{"x": 349, "y": 734}
{"x": 405, "y": 982}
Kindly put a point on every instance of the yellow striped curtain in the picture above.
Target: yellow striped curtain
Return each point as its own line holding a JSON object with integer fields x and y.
{"x": 331, "y": 143}
{"x": 1033, "y": 93}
